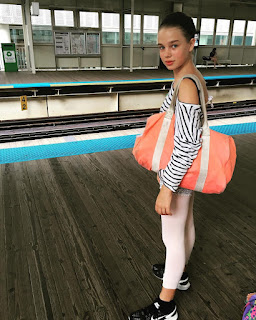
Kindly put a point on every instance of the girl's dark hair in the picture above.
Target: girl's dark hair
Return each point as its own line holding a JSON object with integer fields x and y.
{"x": 182, "y": 21}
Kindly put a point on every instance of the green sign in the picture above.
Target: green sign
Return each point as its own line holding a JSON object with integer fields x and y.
{"x": 9, "y": 55}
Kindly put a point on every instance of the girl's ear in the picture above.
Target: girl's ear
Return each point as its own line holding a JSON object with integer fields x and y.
{"x": 191, "y": 44}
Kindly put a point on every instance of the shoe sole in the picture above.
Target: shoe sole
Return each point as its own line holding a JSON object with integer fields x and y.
{"x": 183, "y": 287}
{"x": 170, "y": 317}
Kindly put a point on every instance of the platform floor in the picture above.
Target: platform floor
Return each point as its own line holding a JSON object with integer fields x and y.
{"x": 78, "y": 236}
{"x": 108, "y": 75}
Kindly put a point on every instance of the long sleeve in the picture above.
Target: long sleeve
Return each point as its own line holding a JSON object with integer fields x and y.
{"x": 187, "y": 141}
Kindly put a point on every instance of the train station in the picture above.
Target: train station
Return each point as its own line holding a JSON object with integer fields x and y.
{"x": 82, "y": 235}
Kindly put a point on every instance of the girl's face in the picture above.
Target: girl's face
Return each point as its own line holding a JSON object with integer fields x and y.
{"x": 174, "y": 48}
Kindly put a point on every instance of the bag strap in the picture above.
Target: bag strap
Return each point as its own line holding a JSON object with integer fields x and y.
{"x": 170, "y": 111}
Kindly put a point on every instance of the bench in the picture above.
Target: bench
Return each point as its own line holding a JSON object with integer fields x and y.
{"x": 225, "y": 62}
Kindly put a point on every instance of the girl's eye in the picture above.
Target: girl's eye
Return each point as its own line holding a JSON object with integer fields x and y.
{"x": 161, "y": 47}
{"x": 174, "y": 46}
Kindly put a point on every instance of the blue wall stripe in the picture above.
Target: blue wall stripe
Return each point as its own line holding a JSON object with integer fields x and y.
{"x": 98, "y": 145}
{"x": 54, "y": 84}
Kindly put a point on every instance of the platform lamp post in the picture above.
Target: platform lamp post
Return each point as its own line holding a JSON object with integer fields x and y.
{"x": 131, "y": 43}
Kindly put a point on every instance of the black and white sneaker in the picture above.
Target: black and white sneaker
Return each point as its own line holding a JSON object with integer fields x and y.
{"x": 155, "y": 312}
{"x": 184, "y": 284}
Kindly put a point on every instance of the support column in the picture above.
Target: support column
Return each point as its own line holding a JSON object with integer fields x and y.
{"x": 131, "y": 44}
{"x": 28, "y": 38}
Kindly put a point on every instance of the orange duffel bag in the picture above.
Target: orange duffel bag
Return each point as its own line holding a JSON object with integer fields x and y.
{"x": 214, "y": 165}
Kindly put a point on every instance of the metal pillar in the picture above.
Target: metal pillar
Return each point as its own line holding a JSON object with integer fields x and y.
{"x": 131, "y": 44}
{"x": 28, "y": 38}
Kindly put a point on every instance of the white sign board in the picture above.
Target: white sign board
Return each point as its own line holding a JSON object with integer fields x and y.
{"x": 9, "y": 57}
{"x": 62, "y": 43}
{"x": 78, "y": 43}
{"x": 93, "y": 43}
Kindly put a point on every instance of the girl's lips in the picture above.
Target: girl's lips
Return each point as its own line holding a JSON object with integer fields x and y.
{"x": 169, "y": 63}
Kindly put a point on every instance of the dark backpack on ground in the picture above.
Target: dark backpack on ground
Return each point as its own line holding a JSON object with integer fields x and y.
{"x": 206, "y": 58}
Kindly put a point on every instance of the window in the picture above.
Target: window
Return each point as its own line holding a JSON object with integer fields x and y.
{"x": 42, "y": 27}
{"x": 222, "y": 32}
{"x": 195, "y": 21}
{"x": 250, "y": 39}
{"x": 238, "y": 33}
{"x": 10, "y": 14}
{"x": 136, "y": 29}
{"x": 206, "y": 31}
{"x": 16, "y": 34}
{"x": 150, "y": 29}
{"x": 44, "y": 18}
{"x": 64, "y": 18}
{"x": 89, "y": 19}
{"x": 110, "y": 28}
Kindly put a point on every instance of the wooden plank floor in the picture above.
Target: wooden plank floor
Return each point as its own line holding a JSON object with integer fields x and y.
{"x": 79, "y": 234}
{"x": 107, "y": 75}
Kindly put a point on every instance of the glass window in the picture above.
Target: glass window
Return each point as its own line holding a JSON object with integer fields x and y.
{"x": 195, "y": 21}
{"x": 238, "y": 33}
{"x": 64, "y": 18}
{"x": 222, "y": 31}
{"x": 250, "y": 39}
{"x": 206, "y": 31}
{"x": 89, "y": 19}
{"x": 44, "y": 18}
{"x": 42, "y": 27}
{"x": 110, "y": 28}
{"x": 16, "y": 34}
{"x": 42, "y": 34}
{"x": 150, "y": 29}
{"x": 10, "y": 14}
{"x": 136, "y": 29}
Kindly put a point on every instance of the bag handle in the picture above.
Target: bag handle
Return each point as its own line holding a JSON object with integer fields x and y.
{"x": 170, "y": 110}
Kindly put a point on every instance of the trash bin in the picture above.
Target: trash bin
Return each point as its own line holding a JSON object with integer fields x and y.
{"x": 9, "y": 57}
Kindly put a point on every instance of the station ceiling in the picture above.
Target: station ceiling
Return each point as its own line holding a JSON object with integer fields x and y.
{"x": 203, "y": 2}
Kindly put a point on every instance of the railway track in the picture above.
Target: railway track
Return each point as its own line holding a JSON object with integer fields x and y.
{"x": 75, "y": 125}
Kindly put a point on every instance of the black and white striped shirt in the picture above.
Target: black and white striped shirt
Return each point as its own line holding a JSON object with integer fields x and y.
{"x": 187, "y": 141}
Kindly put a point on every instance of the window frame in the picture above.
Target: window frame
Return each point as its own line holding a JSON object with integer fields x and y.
{"x": 89, "y": 28}
{"x": 246, "y": 26}
{"x": 228, "y": 34}
{"x": 231, "y": 34}
{"x": 121, "y": 28}
{"x": 64, "y": 27}
{"x": 214, "y": 31}
{"x": 144, "y": 44}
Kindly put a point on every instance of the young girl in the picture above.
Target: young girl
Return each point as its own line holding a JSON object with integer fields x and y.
{"x": 174, "y": 204}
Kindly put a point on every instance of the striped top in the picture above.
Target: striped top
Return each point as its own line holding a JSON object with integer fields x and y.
{"x": 187, "y": 141}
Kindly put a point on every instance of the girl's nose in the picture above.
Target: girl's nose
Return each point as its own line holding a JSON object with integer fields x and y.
{"x": 167, "y": 53}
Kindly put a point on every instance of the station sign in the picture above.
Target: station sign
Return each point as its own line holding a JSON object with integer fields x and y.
{"x": 24, "y": 103}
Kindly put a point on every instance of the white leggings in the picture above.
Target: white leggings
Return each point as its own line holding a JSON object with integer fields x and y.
{"x": 178, "y": 234}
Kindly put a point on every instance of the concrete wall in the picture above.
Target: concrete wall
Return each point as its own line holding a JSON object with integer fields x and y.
{"x": 54, "y": 106}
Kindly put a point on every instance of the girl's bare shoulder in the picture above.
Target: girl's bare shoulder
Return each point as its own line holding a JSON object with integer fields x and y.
{"x": 188, "y": 92}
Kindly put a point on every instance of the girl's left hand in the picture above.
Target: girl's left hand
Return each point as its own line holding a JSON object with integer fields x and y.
{"x": 163, "y": 201}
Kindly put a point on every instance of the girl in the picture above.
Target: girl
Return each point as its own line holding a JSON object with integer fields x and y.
{"x": 174, "y": 204}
